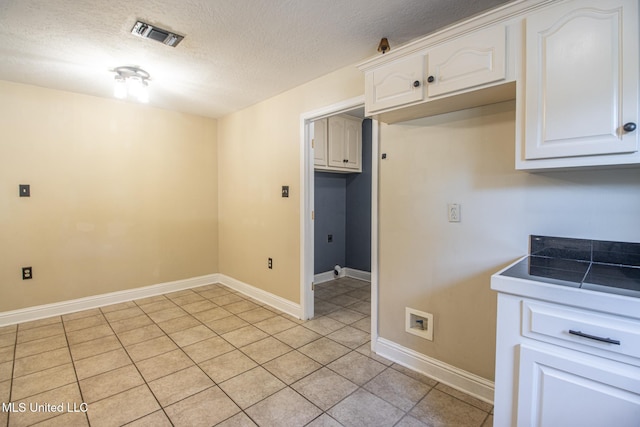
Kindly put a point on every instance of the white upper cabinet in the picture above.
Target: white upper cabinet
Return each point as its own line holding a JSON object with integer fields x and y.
{"x": 342, "y": 145}
{"x": 580, "y": 102}
{"x": 395, "y": 84}
{"x": 469, "y": 61}
{"x": 457, "y": 73}
{"x": 320, "y": 142}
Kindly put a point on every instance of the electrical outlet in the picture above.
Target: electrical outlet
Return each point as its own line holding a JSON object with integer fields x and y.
{"x": 453, "y": 212}
{"x": 330, "y": 238}
{"x": 25, "y": 190}
{"x": 285, "y": 191}
{"x": 270, "y": 263}
{"x": 27, "y": 273}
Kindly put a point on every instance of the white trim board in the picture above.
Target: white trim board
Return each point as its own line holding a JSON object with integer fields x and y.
{"x": 64, "y": 307}
{"x": 459, "y": 379}
{"x": 327, "y": 276}
{"x": 265, "y": 297}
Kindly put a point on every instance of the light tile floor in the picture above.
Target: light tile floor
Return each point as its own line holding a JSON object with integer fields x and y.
{"x": 211, "y": 356}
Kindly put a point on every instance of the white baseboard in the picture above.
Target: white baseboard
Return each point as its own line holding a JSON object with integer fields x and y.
{"x": 64, "y": 307}
{"x": 348, "y": 272}
{"x": 274, "y": 301}
{"x": 358, "y": 274}
{"x": 459, "y": 379}
{"x": 323, "y": 277}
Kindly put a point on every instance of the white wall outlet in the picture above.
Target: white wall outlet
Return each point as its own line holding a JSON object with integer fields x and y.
{"x": 419, "y": 323}
{"x": 453, "y": 212}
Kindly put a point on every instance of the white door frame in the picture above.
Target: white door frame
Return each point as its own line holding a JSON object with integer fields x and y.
{"x": 307, "y": 207}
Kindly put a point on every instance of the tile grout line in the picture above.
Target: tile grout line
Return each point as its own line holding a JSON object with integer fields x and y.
{"x": 75, "y": 372}
{"x": 139, "y": 373}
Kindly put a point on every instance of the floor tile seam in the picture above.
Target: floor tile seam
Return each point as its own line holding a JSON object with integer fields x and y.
{"x": 40, "y": 370}
{"x": 296, "y": 348}
{"x": 75, "y": 381}
{"x": 346, "y": 354}
{"x": 36, "y": 354}
{"x": 457, "y": 398}
{"x": 252, "y": 359}
{"x": 139, "y": 373}
{"x": 163, "y": 407}
{"x": 266, "y": 397}
{"x": 18, "y": 341}
{"x": 391, "y": 403}
{"x": 485, "y": 419}
{"x": 13, "y": 368}
{"x": 142, "y": 313}
{"x": 75, "y": 372}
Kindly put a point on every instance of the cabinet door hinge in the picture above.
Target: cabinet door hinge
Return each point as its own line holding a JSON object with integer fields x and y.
{"x": 313, "y": 143}
{"x": 313, "y": 286}
{"x": 313, "y": 216}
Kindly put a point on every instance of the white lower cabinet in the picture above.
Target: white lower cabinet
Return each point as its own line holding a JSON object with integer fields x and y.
{"x": 560, "y": 365}
{"x": 559, "y": 387}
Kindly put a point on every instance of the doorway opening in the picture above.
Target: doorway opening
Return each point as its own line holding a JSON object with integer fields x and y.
{"x": 313, "y": 269}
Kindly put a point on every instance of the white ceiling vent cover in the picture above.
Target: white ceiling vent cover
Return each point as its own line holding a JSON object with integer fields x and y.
{"x": 148, "y": 31}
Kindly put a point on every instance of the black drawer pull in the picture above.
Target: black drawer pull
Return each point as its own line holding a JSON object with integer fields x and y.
{"x": 593, "y": 337}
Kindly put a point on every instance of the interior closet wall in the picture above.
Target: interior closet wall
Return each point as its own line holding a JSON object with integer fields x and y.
{"x": 343, "y": 210}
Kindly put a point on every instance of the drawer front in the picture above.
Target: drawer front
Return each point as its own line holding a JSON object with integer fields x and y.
{"x": 594, "y": 333}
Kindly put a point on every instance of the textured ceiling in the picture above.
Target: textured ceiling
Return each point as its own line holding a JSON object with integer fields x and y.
{"x": 235, "y": 52}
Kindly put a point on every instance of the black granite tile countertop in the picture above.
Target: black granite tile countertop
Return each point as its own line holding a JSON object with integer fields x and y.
{"x": 612, "y": 267}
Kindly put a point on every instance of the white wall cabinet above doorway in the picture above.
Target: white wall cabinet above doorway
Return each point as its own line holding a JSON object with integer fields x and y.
{"x": 338, "y": 144}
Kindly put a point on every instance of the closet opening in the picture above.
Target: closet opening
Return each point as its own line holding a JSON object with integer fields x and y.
{"x": 339, "y": 208}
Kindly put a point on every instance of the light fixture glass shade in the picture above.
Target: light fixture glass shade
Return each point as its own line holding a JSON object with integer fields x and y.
{"x": 120, "y": 88}
{"x": 131, "y": 82}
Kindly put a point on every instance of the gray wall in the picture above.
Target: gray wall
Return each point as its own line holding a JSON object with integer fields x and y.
{"x": 343, "y": 209}
{"x": 358, "y": 251}
{"x": 330, "y": 218}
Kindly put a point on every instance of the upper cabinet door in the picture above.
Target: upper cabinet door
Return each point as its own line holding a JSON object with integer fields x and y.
{"x": 469, "y": 61}
{"x": 397, "y": 83}
{"x": 336, "y": 156}
{"x": 582, "y": 79}
{"x": 320, "y": 142}
{"x": 353, "y": 144}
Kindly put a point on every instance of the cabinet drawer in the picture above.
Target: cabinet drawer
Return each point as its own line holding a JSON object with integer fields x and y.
{"x": 599, "y": 334}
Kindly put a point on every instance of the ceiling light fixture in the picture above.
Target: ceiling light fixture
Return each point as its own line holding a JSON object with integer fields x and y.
{"x": 131, "y": 82}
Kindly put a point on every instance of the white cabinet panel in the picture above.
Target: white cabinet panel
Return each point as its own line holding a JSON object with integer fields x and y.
{"x": 336, "y": 142}
{"x": 394, "y": 84}
{"x": 581, "y": 79}
{"x": 320, "y": 142}
{"x": 463, "y": 63}
{"x": 342, "y": 145}
{"x": 561, "y": 388}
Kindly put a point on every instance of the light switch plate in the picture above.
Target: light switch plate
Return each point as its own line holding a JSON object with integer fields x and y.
{"x": 25, "y": 190}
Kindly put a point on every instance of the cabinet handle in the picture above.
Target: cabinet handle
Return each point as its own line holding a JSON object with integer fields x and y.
{"x": 629, "y": 127}
{"x": 594, "y": 337}
{"x": 431, "y": 79}
{"x": 416, "y": 83}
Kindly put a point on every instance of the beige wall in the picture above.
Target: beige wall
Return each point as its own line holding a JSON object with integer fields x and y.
{"x": 259, "y": 151}
{"x": 122, "y": 195}
{"x": 444, "y": 268}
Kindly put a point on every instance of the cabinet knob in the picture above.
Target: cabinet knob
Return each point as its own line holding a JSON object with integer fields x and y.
{"x": 416, "y": 83}
{"x": 629, "y": 127}
{"x": 431, "y": 79}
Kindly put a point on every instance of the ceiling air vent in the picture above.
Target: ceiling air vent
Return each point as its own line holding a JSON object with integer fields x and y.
{"x": 148, "y": 31}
